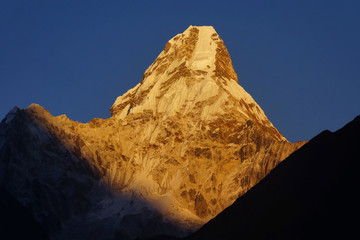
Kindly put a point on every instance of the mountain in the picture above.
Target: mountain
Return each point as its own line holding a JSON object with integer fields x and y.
{"x": 16, "y": 222}
{"x": 180, "y": 147}
{"x": 310, "y": 195}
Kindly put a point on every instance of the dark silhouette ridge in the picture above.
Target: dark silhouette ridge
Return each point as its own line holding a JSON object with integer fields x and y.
{"x": 311, "y": 194}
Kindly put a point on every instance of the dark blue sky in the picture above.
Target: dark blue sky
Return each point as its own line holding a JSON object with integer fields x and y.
{"x": 300, "y": 60}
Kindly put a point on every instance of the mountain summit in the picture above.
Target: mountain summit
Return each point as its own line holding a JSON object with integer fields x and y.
{"x": 180, "y": 147}
{"x": 193, "y": 75}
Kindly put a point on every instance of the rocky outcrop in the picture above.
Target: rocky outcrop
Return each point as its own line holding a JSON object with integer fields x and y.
{"x": 180, "y": 147}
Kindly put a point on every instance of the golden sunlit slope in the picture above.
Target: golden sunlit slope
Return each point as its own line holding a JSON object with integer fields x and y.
{"x": 183, "y": 144}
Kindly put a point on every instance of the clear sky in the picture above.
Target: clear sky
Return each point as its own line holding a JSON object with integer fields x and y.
{"x": 300, "y": 60}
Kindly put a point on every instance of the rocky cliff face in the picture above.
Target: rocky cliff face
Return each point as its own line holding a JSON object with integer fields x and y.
{"x": 179, "y": 148}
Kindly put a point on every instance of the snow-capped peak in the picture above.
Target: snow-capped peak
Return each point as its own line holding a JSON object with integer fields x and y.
{"x": 192, "y": 75}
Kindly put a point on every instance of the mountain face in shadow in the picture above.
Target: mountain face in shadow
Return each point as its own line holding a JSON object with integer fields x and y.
{"x": 313, "y": 194}
{"x": 49, "y": 189}
{"x": 16, "y": 222}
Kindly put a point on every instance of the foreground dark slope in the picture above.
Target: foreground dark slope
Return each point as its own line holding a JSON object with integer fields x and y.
{"x": 311, "y": 194}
